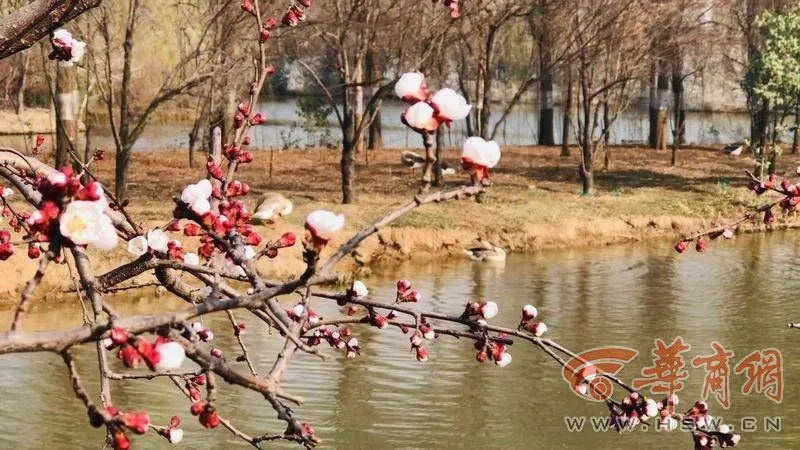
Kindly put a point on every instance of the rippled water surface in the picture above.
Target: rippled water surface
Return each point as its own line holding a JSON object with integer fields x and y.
{"x": 742, "y": 293}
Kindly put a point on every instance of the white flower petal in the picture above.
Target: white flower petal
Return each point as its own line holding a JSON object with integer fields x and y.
{"x": 137, "y": 246}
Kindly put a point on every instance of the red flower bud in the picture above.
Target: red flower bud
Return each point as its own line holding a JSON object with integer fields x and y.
{"x": 34, "y": 252}
{"x": 403, "y": 286}
{"x": 422, "y": 354}
{"x": 129, "y": 356}
{"x": 119, "y": 440}
{"x": 258, "y": 119}
{"x": 137, "y": 422}
{"x": 247, "y": 6}
{"x": 118, "y": 336}
{"x": 197, "y": 408}
{"x": 769, "y": 216}
{"x": 700, "y": 245}
{"x": 209, "y": 417}
{"x": 238, "y": 120}
{"x": 680, "y": 247}
{"x": 380, "y": 321}
{"x": 286, "y": 240}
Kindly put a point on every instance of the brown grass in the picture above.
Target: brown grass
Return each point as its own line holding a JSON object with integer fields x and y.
{"x": 533, "y": 205}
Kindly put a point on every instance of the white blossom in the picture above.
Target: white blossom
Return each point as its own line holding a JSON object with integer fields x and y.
{"x": 323, "y": 224}
{"x": 419, "y": 116}
{"x": 197, "y": 195}
{"x": 175, "y": 435}
{"x": 359, "y": 289}
{"x": 158, "y": 240}
{"x": 481, "y": 152}
{"x": 452, "y": 106}
{"x": 411, "y": 87}
{"x": 170, "y": 356}
{"x": 192, "y": 259}
{"x": 489, "y": 310}
{"x": 505, "y": 359}
{"x": 137, "y": 246}
{"x": 84, "y": 223}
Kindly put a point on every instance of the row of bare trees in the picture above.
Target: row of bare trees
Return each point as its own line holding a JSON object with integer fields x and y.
{"x": 595, "y": 57}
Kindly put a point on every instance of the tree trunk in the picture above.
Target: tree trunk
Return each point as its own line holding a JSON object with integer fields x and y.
{"x": 761, "y": 127}
{"x": 567, "y": 115}
{"x": 679, "y": 106}
{"x": 545, "y": 87}
{"x": 375, "y": 132}
{"x": 587, "y": 181}
{"x": 66, "y": 105}
{"x": 679, "y": 115}
{"x": 348, "y": 164}
{"x": 606, "y": 136}
{"x": 796, "y": 140}
{"x": 658, "y": 111}
{"x": 437, "y": 166}
{"x": 121, "y": 173}
{"x": 87, "y": 147}
{"x": 18, "y": 94}
{"x": 358, "y": 93}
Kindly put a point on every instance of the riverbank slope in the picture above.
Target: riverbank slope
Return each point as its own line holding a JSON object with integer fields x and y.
{"x": 533, "y": 205}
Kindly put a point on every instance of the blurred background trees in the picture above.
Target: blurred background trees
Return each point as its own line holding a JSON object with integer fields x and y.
{"x": 580, "y": 64}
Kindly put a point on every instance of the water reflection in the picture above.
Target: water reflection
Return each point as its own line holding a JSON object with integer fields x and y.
{"x": 740, "y": 294}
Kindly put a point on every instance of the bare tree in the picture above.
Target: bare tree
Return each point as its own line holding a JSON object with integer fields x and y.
{"x": 350, "y": 29}
{"x": 611, "y": 44}
{"x": 128, "y": 116}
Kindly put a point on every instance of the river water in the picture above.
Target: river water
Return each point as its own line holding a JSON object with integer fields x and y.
{"x": 741, "y": 294}
{"x": 283, "y": 130}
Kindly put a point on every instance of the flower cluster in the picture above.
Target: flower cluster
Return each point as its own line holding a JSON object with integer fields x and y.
{"x": 427, "y": 112}
{"x": 71, "y": 212}
{"x": 160, "y": 355}
{"x": 66, "y": 49}
{"x": 138, "y": 422}
{"x": 528, "y": 321}
{"x": 300, "y": 312}
{"x": 172, "y": 432}
{"x": 405, "y": 293}
{"x": 704, "y": 437}
{"x": 493, "y": 350}
{"x": 635, "y": 409}
{"x": 481, "y": 311}
{"x": 338, "y": 338}
{"x": 789, "y": 191}
{"x": 206, "y": 413}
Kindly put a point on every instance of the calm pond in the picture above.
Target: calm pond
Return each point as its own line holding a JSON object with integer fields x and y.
{"x": 702, "y": 128}
{"x": 741, "y": 294}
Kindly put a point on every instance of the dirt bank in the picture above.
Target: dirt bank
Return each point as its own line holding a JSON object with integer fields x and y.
{"x": 533, "y": 206}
